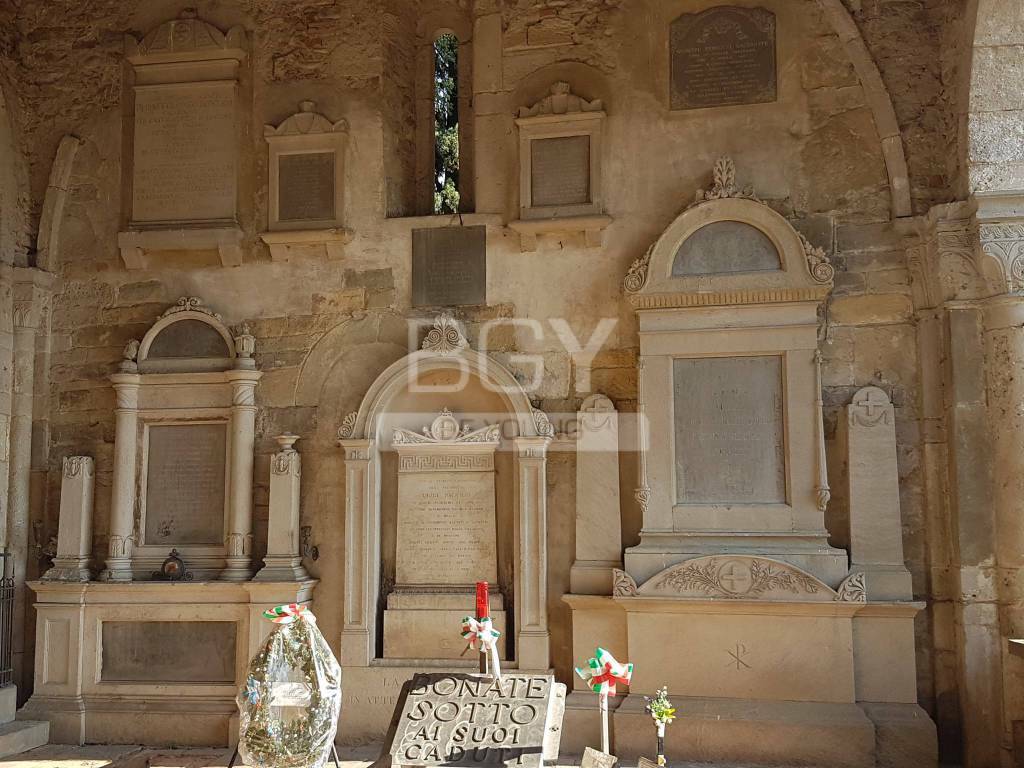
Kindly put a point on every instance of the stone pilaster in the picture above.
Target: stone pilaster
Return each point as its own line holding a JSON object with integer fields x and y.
{"x": 74, "y": 538}
{"x": 283, "y": 561}
{"x": 534, "y": 639}
{"x": 122, "y": 495}
{"x": 362, "y": 553}
{"x": 243, "y": 435}
{"x": 598, "y": 518}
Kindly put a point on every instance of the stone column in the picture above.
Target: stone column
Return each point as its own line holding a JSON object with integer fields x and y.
{"x": 283, "y": 561}
{"x": 122, "y": 496}
{"x": 74, "y": 537}
{"x": 6, "y": 390}
{"x": 876, "y": 530}
{"x": 532, "y": 598}
{"x": 492, "y": 118}
{"x": 362, "y": 554}
{"x": 598, "y": 518}
{"x": 26, "y": 319}
{"x": 243, "y": 436}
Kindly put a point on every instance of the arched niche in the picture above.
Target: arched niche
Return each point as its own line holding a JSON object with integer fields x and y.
{"x": 409, "y": 395}
{"x": 183, "y": 448}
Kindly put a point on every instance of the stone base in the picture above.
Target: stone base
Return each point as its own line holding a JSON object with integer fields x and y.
{"x": 23, "y": 735}
{"x": 905, "y": 736}
{"x": 425, "y": 625}
{"x": 729, "y": 731}
{"x": 592, "y": 577}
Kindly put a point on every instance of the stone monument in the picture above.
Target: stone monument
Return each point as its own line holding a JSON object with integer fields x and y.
{"x": 446, "y": 537}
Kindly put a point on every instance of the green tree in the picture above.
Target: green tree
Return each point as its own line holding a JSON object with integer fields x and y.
{"x": 446, "y": 124}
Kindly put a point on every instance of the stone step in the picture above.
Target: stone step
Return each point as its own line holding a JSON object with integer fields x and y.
{"x": 22, "y": 735}
{"x": 8, "y": 703}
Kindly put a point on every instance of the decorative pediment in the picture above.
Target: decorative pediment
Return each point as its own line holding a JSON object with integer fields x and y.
{"x": 737, "y": 577}
{"x": 728, "y": 247}
{"x": 307, "y": 121}
{"x": 190, "y": 337}
{"x": 446, "y": 430}
{"x": 561, "y": 101}
{"x": 186, "y": 37}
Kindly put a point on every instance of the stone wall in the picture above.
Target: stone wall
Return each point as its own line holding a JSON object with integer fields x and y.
{"x": 325, "y": 328}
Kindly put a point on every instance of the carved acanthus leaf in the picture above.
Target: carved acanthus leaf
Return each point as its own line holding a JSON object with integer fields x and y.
{"x": 735, "y": 578}
{"x": 445, "y": 338}
{"x": 636, "y": 275}
{"x": 542, "y": 423}
{"x": 724, "y": 186}
{"x": 853, "y": 589}
{"x": 1004, "y": 242}
{"x": 348, "y": 424}
{"x": 561, "y": 101}
{"x": 623, "y": 585}
{"x": 818, "y": 264}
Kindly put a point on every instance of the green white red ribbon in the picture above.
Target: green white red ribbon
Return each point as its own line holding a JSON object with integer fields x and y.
{"x": 286, "y": 614}
{"x": 481, "y": 635}
{"x": 603, "y": 673}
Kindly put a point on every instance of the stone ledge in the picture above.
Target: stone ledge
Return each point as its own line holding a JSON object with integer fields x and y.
{"x": 592, "y": 228}
{"x": 321, "y": 242}
{"x": 226, "y": 240}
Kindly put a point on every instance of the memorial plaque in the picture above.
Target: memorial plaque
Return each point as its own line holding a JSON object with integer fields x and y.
{"x": 188, "y": 338}
{"x": 446, "y": 527}
{"x": 186, "y": 147}
{"x": 725, "y": 247}
{"x": 166, "y": 651}
{"x": 449, "y": 266}
{"x": 722, "y": 57}
{"x": 305, "y": 186}
{"x": 475, "y": 720}
{"x": 185, "y": 484}
{"x": 729, "y": 429}
{"x": 560, "y": 171}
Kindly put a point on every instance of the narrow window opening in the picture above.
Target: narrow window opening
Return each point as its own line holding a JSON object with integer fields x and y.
{"x": 446, "y": 124}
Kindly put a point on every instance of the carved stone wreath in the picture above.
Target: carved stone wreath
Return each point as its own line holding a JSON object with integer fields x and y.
{"x": 720, "y": 578}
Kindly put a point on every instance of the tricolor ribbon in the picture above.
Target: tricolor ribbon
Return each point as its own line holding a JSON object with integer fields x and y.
{"x": 286, "y": 614}
{"x": 603, "y": 672}
{"x": 480, "y": 635}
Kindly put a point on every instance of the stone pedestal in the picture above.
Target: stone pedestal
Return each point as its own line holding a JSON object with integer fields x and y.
{"x": 598, "y": 518}
{"x": 283, "y": 561}
{"x": 74, "y": 537}
{"x": 875, "y": 532}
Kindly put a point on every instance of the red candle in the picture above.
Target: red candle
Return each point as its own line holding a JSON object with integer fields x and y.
{"x": 483, "y": 608}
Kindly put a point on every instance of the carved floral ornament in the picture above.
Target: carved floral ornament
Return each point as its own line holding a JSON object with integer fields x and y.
{"x": 724, "y": 187}
{"x": 738, "y": 577}
{"x": 306, "y": 121}
{"x": 446, "y": 337}
{"x": 446, "y": 429}
{"x": 191, "y": 304}
{"x": 1004, "y": 242}
{"x": 561, "y": 101}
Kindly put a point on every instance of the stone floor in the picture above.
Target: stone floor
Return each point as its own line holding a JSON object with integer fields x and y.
{"x": 63, "y": 756}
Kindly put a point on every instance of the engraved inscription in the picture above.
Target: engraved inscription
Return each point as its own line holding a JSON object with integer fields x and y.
{"x": 729, "y": 430}
{"x": 446, "y": 528}
{"x": 722, "y": 57}
{"x": 305, "y": 183}
{"x": 185, "y": 152}
{"x": 560, "y": 171}
{"x": 470, "y": 720}
{"x": 185, "y": 484}
{"x": 165, "y": 651}
{"x": 449, "y": 266}
{"x": 738, "y": 657}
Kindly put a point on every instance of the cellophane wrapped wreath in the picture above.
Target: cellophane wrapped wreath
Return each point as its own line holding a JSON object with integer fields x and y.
{"x": 291, "y": 698}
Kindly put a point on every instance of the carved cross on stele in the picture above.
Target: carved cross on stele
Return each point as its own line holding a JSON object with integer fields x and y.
{"x": 873, "y": 405}
{"x": 734, "y": 578}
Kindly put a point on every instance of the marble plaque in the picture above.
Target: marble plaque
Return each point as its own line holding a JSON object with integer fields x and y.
{"x": 474, "y": 720}
{"x": 725, "y": 247}
{"x": 185, "y": 484}
{"x": 560, "y": 171}
{"x": 185, "y": 156}
{"x": 188, "y": 338}
{"x": 166, "y": 651}
{"x": 449, "y": 266}
{"x": 729, "y": 430}
{"x": 446, "y": 527}
{"x": 305, "y": 186}
{"x": 722, "y": 57}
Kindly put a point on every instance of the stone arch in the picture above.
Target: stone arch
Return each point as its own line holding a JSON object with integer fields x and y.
{"x": 879, "y": 101}
{"x": 14, "y": 194}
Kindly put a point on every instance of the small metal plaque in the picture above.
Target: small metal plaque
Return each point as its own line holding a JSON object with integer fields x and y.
{"x": 449, "y": 266}
{"x": 722, "y": 57}
{"x": 475, "y": 720}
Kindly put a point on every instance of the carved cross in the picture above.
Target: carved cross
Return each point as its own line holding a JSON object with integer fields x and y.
{"x": 872, "y": 405}
{"x": 734, "y": 577}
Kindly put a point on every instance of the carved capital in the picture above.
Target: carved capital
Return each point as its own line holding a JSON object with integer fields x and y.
{"x": 1003, "y": 242}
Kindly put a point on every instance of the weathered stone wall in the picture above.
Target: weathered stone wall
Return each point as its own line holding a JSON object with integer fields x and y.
{"x": 326, "y": 328}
